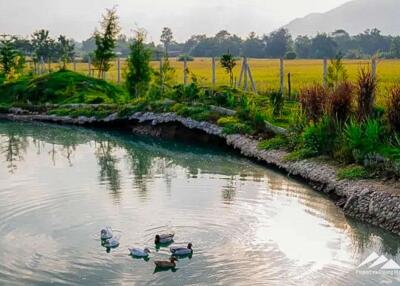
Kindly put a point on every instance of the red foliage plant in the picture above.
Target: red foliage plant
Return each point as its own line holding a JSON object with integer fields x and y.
{"x": 340, "y": 101}
{"x": 366, "y": 86}
{"x": 313, "y": 100}
{"x": 393, "y": 109}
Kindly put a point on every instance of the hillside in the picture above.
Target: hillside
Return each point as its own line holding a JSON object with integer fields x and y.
{"x": 355, "y": 17}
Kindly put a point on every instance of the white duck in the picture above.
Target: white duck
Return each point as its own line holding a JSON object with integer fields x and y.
{"x": 164, "y": 238}
{"x": 138, "y": 252}
{"x": 106, "y": 233}
{"x": 111, "y": 242}
{"x": 182, "y": 250}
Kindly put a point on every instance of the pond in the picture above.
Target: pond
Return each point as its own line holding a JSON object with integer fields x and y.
{"x": 249, "y": 225}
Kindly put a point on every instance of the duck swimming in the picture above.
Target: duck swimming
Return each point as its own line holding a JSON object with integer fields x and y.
{"x": 106, "y": 233}
{"x": 164, "y": 238}
{"x": 181, "y": 251}
{"x": 165, "y": 264}
{"x": 137, "y": 252}
{"x": 111, "y": 242}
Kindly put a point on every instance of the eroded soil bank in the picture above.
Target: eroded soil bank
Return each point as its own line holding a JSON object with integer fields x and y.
{"x": 370, "y": 201}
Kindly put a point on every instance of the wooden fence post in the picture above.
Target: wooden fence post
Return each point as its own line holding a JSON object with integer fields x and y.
{"x": 245, "y": 69}
{"x": 42, "y": 66}
{"x": 90, "y": 66}
{"x": 161, "y": 75}
{"x": 213, "y": 71}
{"x": 373, "y": 67}
{"x": 119, "y": 69}
{"x": 325, "y": 73}
{"x": 289, "y": 77}
{"x": 185, "y": 71}
{"x": 282, "y": 75}
{"x": 253, "y": 84}
{"x": 239, "y": 83}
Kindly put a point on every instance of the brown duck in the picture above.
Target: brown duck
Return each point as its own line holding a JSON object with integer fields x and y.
{"x": 165, "y": 263}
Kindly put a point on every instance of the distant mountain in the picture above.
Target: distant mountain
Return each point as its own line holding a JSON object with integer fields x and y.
{"x": 355, "y": 16}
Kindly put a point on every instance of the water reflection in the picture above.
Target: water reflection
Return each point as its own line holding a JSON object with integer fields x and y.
{"x": 107, "y": 162}
{"x": 13, "y": 147}
{"x": 249, "y": 225}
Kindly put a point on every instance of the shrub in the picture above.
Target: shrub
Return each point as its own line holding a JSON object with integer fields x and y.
{"x": 228, "y": 63}
{"x": 297, "y": 124}
{"x": 319, "y": 138}
{"x": 227, "y": 120}
{"x": 274, "y": 143}
{"x": 277, "y": 102}
{"x": 393, "y": 109}
{"x": 238, "y": 128}
{"x": 312, "y": 100}
{"x": 352, "y": 173}
{"x": 362, "y": 139}
{"x": 186, "y": 92}
{"x": 291, "y": 55}
{"x": 232, "y": 125}
{"x": 188, "y": 58}
{"x": 340, "y": 101}
{"x": 366, "y": 86}
{"x": 337, "y": 73}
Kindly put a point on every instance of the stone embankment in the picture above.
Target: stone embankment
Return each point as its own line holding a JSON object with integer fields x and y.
{"x": 371, "y": 201}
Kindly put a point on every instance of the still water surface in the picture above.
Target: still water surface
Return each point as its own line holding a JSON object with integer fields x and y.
{"x": 249, "y": 225}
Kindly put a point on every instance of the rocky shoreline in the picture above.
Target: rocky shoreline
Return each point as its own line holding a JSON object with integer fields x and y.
{"x": 370, "y": 201}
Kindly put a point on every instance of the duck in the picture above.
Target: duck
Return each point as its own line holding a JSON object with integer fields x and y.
{"x": 164, "y": 238}
{"x": 111, "y": 242}
{"x": 106, "y": 233}
{"x": 138, "y": 252}
{"x": 165, "y": 264}
{"x": 182, "y": 250}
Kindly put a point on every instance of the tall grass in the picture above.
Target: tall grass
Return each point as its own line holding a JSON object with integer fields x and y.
{"x": 340, "y": 101}
{"x": 366, "y": 91}
{"x": 393, "y": 109}
{"x": 312, "y": 100}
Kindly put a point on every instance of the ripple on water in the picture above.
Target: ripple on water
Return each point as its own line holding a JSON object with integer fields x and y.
{"x": 248, "y": 225}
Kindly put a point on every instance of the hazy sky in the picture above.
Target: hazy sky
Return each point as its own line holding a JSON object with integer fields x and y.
{"x": 78, "y": 18}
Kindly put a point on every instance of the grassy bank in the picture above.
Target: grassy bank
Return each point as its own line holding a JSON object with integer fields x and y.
{"x": 341, "y": 123}
{"x": 62, "y": 87}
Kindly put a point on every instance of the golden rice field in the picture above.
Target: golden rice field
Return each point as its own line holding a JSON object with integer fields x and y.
{"x": 266, "y": 72}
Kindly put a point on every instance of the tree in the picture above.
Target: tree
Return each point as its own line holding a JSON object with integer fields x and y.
{"x": 106, "y": 41}
{"x": 278, "y": 43}
{"x": 43, "y": 45}
{"x": 24, "y": 46}
{"x": 253, "y": 46}
{"x": 371, "y": 42}
{"x": 139, "y": 70}
{"x": 323, "y": 46}
{"x": 11, "y": 60}
{"x": 395, "y": 47}
{"x": 343, "y": 40}
{"x": 228, "y": 63}
{"x": 337, "y": 72}
{"x": 166, "y": 38}
{"x": 65, "y": 49}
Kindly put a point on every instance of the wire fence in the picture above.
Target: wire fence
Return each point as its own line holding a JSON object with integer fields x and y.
{"x": 259, "y": 75}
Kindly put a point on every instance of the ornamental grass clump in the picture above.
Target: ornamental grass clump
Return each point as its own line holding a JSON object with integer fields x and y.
{"x": 340, "y": 101}
{"x": 312, "y": 100}
{"x": 366, "y": 89}
{"x": 393, "y": 109}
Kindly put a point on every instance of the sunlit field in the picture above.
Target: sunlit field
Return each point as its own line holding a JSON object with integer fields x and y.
{"x": 266, "y": 72}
